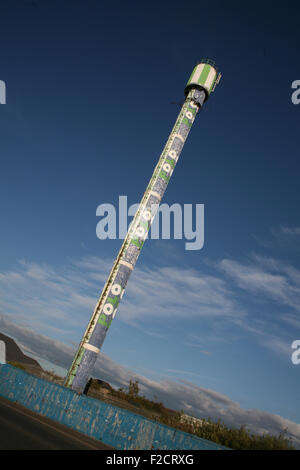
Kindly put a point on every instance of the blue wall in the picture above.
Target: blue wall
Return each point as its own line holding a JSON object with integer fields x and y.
{"x": 114, "y": 426}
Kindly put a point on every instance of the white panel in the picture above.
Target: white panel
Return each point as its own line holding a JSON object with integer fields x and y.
{"x": 90, "y": 347}
{"x": 128, "y": 265}
{"x": 210, "y": 78}
{"x": 197, "y": 73}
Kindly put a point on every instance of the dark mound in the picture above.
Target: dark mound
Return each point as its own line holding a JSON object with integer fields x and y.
{"x": 14, "y": 353}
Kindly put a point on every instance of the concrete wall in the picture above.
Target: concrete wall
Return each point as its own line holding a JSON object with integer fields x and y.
{"x": 114, "y": 426}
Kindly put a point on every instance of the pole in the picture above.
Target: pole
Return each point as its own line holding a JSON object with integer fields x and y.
{"x": 112, "y": 293}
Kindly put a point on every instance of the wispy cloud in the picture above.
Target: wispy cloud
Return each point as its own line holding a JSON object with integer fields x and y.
{"x": 283, "y": 238}
{"x": 267, "y": 277}
{"x": 290, "y": 230}
{"x": 293, "y": 320}
{"x": 58, "y": 301}
{"x": 273, "y": 287}
{"x": 172, "y": 292}
{"x": 180, "y": 372}
{"x": 48, "y": 298}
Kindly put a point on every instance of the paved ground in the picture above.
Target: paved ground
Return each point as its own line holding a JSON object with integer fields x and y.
{"x": 21, "y": 428}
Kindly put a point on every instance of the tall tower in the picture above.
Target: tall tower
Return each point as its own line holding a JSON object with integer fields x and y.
{"x": 202, "y": 82}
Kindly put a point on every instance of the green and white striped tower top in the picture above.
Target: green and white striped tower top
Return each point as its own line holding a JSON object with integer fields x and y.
{"x": 205, "y": 77}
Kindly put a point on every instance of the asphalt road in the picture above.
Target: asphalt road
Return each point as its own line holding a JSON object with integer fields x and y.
{"x": 21, "y": 428}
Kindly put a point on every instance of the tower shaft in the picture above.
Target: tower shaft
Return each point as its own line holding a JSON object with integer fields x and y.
{"x": 123, "y": 266}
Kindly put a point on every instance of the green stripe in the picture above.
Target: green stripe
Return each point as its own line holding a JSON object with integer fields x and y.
{"x": 212, "y": 85}
{"x": 103, "y": 320}
{"x": 204, "y": 74}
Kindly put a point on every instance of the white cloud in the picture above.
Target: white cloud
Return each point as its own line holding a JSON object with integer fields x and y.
{"x": 174, "y": 292}
{"x": 64, "y": 297}
{"x": 290, "y": 230}
{"x": 58, "y": 301}
{"x": 266, "y": 277}
{"x": 292, "y": 320}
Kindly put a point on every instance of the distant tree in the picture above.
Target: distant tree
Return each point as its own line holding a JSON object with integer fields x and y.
{"x": 133, "y": 388}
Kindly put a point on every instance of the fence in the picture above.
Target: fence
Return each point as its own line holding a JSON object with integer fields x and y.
{"x": 114, "y": 426}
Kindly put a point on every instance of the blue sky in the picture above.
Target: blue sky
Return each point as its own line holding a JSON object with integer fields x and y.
{"x": 90, "y": 93}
